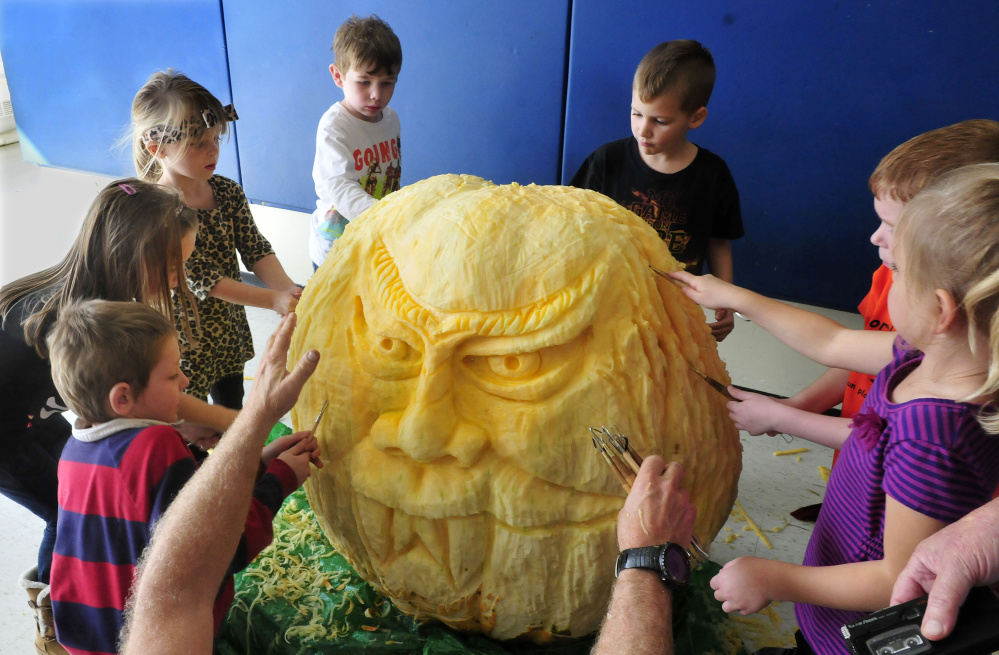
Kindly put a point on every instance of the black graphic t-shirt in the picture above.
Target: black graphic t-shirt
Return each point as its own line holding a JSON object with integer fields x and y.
{"x": 687, "y": 208}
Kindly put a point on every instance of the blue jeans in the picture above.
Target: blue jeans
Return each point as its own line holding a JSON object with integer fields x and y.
{"x": 28, "y": 476}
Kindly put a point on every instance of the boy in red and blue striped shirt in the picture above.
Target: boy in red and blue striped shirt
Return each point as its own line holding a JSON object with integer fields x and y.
{"x": 117, "y": 366}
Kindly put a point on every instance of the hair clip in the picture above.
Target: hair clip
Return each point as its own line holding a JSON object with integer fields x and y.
{"x": 128, "y": 188}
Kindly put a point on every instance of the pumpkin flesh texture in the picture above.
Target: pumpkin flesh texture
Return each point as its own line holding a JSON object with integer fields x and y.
{"x": 470, "y": 335}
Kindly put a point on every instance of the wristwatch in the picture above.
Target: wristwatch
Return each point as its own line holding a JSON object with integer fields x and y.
{"x": 669, "y": 560}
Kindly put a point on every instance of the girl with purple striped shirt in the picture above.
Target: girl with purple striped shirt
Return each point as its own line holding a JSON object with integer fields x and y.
{"x": 922, "y": 452}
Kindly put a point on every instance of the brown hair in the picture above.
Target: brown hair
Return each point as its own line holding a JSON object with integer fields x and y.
{"x": 165, "y": 102}
{"x": 683, "y": 67}
{"x": 128, "y": 246}
{"x": 949, "y": 237}
{"x": 904, "y": 171}
{"x": 367, "y": 41}
{"x": 95, "y": 344}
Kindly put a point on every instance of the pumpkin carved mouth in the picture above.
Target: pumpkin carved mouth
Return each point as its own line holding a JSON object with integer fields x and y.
{"x": 443, "y": 514}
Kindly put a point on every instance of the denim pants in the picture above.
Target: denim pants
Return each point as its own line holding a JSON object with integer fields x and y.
{"x": 28, "y": 475}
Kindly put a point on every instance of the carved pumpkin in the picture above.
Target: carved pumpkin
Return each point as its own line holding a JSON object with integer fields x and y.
{"x": 470, "y": 335}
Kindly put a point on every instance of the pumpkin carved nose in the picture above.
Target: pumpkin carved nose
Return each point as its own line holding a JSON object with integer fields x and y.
{"x": 430, "y": 428}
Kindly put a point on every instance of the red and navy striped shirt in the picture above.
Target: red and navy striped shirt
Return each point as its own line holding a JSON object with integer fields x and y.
{"x": 115, "y": 482}
{"x": 929, "y": 454}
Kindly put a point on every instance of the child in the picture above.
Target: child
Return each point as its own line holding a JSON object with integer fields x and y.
{"x": 117, "y": 365}
{"x": 358, "y": 156}
{"x": 685, "y": 192}
{"x": 922, "y": 451}
{"x": 176, "y": 128}
{"x": 132, "y": 246}
{"x": 901, "y": 175}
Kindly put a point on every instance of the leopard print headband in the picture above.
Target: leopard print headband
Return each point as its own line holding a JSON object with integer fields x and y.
{"x": 189, "y": 127}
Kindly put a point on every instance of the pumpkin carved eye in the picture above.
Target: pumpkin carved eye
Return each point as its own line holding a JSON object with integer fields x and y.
{"x": 383, "y": 356}
{"x": 526, "y": 376}
{"x": 515, "y": 367}
{"x": 394, "y": 349}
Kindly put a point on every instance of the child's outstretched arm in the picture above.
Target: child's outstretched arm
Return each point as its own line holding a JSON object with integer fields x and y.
{"x": 748, "y": 584}
{"x": 240, "y": 293}
{"x": 758, "y": 414}
{"x": 720, "y": 265}
{"x": 272, "y": 273}
{"x": 819, "y": 338}
{"x": 824, "y": 393}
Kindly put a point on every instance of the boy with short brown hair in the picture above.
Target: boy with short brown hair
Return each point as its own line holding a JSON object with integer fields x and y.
{"x": 117, "y": 365}
{"x": 685, "y": 192}
{"x": 358, "y": 158}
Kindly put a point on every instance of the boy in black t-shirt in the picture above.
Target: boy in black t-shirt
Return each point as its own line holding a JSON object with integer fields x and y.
{"x": 683, "y": 191}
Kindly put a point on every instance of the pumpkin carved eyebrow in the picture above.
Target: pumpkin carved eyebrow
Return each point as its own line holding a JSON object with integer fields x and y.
{"x": 392, "y": 294}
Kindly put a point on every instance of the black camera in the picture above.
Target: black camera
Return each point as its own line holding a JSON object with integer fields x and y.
{"x": 895, "y": 630}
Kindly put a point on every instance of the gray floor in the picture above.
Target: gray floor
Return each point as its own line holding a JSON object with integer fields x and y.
{"x": 41, "y": 210}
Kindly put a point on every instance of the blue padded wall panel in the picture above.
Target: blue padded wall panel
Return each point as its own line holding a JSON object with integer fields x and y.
{"x": 480, "y": 91}
{"x": 73, "y": 68}
{"x": 809, "y": 97}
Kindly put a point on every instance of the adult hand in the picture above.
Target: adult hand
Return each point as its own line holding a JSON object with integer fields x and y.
{"x": 740, "y": 585}
{"x": 723, "y": 325}
{"x": 948, "y": 564}
{"x": 275, "y": 390}
{"x": 657, "y": 510}
{"x": 752, "y": 412}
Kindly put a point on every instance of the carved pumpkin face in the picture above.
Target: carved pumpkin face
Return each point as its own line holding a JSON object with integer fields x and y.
{"x": 470, "y": 335}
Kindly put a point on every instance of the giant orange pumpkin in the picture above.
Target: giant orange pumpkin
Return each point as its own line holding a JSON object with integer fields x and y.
{"x": 470, "y": 335}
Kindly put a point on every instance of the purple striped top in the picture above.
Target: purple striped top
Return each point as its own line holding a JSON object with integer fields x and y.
{"x": 929, "y": 454}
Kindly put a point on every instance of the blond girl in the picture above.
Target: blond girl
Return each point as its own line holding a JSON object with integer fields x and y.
{"x": 177, "y": 126}
{"x": 923, "y": 450}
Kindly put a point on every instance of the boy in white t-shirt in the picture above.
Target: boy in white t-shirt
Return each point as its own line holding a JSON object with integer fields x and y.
{"x": 358, "y": 159}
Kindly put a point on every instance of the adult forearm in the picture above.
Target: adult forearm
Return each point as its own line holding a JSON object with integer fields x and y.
{"x": 207, "y": 516}
{"x": 639, "y": 619}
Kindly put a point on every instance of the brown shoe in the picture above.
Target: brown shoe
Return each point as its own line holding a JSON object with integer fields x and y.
{"x": 41, "y": 603}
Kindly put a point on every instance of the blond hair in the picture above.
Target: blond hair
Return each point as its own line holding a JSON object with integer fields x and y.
{"x": 682, "y": 67}
{"x": 95, "y": 344}
{"x": 128, "y": 246}
{"x": 367, "y": 41}
{"x": 904, "y": 171}
{"x": 949, "y": 236}
{"x": 167, "y": 101}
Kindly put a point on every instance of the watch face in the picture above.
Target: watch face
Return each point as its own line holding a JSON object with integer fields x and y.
{"x": 676, "y": 563}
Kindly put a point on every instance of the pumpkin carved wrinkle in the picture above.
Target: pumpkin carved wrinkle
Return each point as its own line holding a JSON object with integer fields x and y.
{"x": 466, "y": 490}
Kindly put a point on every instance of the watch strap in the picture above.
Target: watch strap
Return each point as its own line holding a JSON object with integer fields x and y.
{"x": 654, "y": 558}
{"x": 646, "y": 557}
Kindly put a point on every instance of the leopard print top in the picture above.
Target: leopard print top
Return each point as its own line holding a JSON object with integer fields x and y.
{"x": 224, "y": 343}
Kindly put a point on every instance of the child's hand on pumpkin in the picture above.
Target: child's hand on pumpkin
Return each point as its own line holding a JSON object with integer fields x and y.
{"x": 723, "y": 325}
{"x": 753, "y": 412}
{"x": 298, "y": 454}
{"x": 741, "y": 585}
{"x": 285, "y": 302}
{"x": 707, "y": 290}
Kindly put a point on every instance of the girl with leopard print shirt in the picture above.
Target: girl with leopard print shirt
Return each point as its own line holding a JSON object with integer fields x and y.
{"x": 177, "y": 126}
